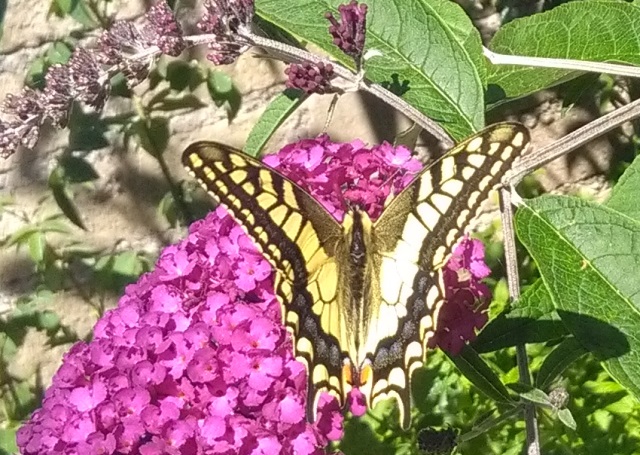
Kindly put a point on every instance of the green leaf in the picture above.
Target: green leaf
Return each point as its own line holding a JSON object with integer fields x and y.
{"x": 558, "y": 361}
{"x": 57, "y": 52}
{"x": 128, "y": 264}
{"x": 274, "y": 32}
{"x": 54, "y": 225}
{"x": 62, "y": 196}
{"x": 588, "y": 257}
{"x": 8, "y": 439}
{"x": 531, "y": 394}
{"x": 223, "y": 92}
{"x": 532, "y": 319}
{"x": 77, "y": 169}
{"x": 167, "y": 208}
{"x": 153, "y": 134}
{"x": 37, "y": 245}
{"x": 596, "y": 30}
{"x": 187, "y": 101}
{"x": 480, "y": 374}
{"x": 77, "y": 9}
{"x": 48, "y": 320}
{"x": 119, "y": 86}
{"x": 624, "y": 197}
{"x": 183, "y": 75}
{"x": 23, "y": 234}
{"x": 280, "y": 108}
{"x": 431, "y": 44}
{"x": 565, "y": 416}
{"x": 87, "y": 130}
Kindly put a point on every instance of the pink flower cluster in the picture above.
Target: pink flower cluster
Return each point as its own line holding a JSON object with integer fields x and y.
{"x": 343, "y": 174}
{"x": 195, "y": 360}
{"x": 466, "y": 297}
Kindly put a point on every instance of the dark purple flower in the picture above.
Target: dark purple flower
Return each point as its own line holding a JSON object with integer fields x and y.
{"x": 163, "y": 29}
{"x": 230, "y": 22}
{"x": 25, "y": 105}
{"x": 349, "y": 33}
{"x": 85, "y": 74}
{"x": 310, "y": 77}
{"x": 14, "y": 133}
{"x": 122, "y": 46}
{"x": 58, "y": 95}
{"x": 466, "y": 297}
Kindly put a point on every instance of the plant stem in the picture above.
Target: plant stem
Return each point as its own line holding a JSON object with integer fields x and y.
{"x": 295, "y": 54}
{"x": 513, "y": 283}
{"x": 562, "y": 63}
{"x": 176, "y": 190}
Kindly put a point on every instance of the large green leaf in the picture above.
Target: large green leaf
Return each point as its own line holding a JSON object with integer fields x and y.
{"x": 624, "y": 197}
{"x": 596, "y": 30}
{"x": 533, "y": 319}
{"x": 431, "y": 44}
{"x": 278, "y": 110}
{"x": 588, "y": 256}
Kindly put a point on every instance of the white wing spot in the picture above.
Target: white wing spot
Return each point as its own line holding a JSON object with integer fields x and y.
{"x": 462, "y": 218}
{"x": 425, "y": 188}
{"x": 441, "y": 201}
{"x": 518, "y": 140}
{"x": 452, "y": 187}
{"x": 506, "y": 153}
{"x": 493, "y": 148}
{"x": 476, "y": 160}
{"x": 447, "y": 169}
{"x": 468, "y": 172}
{"x": 439, "y": 256}
{"x": 475, "y": 144}
{"x": 495, "y": 169}
{"x": 428, "y": 214}
{"x": 414, "y": 351}
{"x": 398, "y": 377}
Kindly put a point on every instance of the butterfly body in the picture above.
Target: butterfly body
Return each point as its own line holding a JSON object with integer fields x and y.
{"x": 360, "y": 296}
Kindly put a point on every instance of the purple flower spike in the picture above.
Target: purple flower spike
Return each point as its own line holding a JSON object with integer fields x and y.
{"x": 165, "y": 30}
{"x": 310, "y": 77}
{"x": 10, "y": 140}
{"x": 349, "y": 33}
{"x": 228, "y": 20}
{"x": 85, "y": 73}
{"x": 466, "y": 297}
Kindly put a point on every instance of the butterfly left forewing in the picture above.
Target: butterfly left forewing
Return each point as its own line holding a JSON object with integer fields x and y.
{"x": 300, "y": 239}
{"x": 413, "y": 238}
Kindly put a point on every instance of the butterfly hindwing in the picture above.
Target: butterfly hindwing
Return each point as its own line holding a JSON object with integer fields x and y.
{"x": 414, "y": 237}
{"x": 300, "y": 239}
